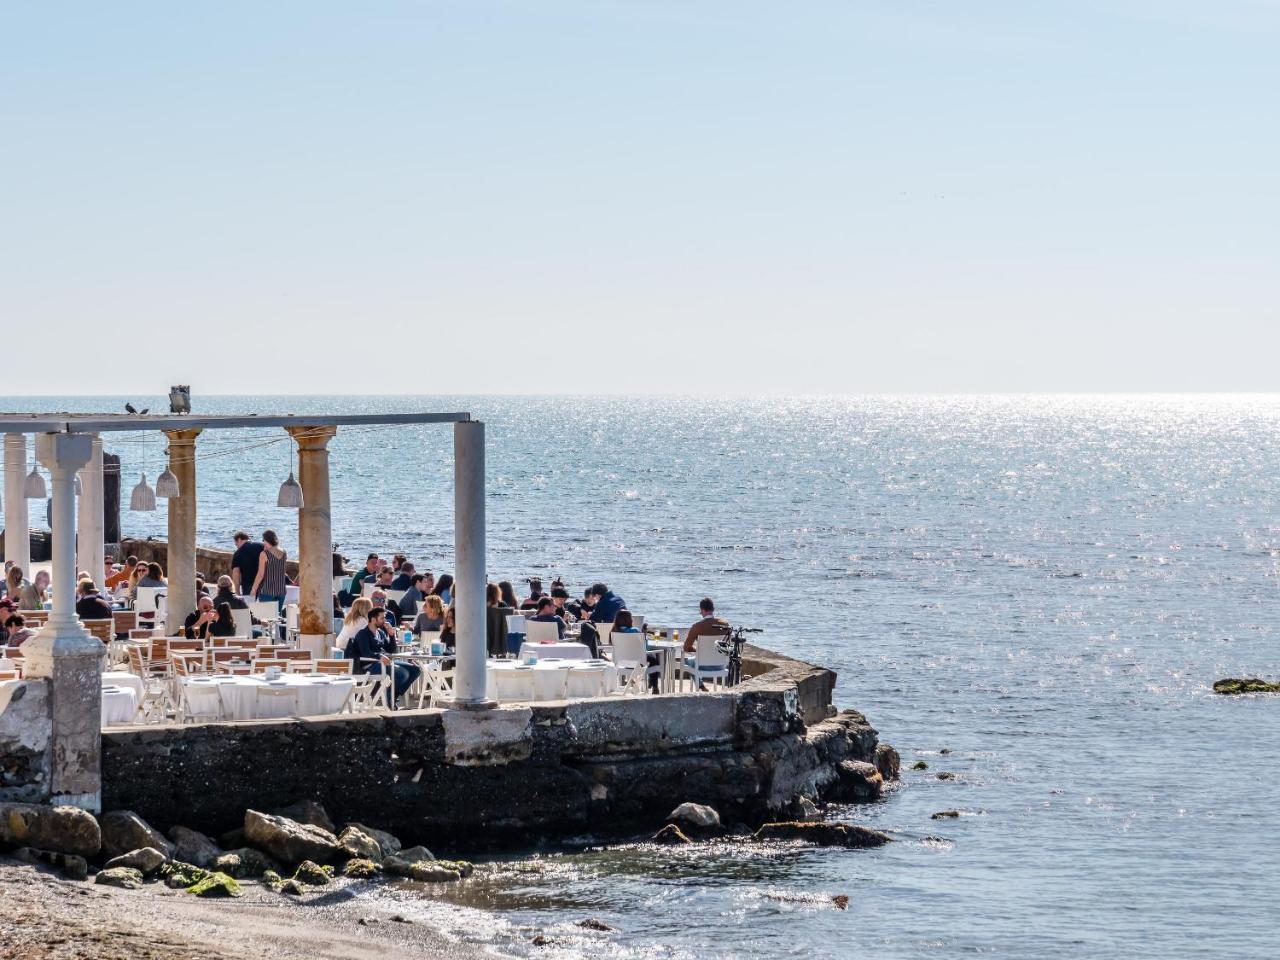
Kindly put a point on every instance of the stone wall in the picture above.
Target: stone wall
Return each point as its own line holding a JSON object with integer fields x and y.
{"x": 466, "y": 780}
{"x": 26, "y": 733}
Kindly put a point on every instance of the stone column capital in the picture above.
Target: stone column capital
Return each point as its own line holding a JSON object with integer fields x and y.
{"x": 63, "y": 451}
{"x": 185, "y": 436}
{"x": 313, "y": 438}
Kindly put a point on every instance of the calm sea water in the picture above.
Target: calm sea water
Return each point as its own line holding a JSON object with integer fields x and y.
{"x": 1043, "y": 587}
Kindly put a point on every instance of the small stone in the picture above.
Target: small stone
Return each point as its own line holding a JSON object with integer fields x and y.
{"x": 670, "y": 834}
{"x": 416, "y": 855}
{"x": 360, "y": 845}
{"x": 946, "y": 775}
{"x": 358, "y": 869}
{"x": 696, "y": 815}
{"x": 216, "y": 885}
{"x": 390, "y": 845}
{"x": 400, "y": 918}
{"x": 367, "y": 921}
{"x": 541, "y": 940}
{"x": 182, "y": 875}
{"x": 292, "y": 887}
{"x": 68, "y": 864}
{"x": 272, "y": 880}
{"x": 313, "y": 874}
{"x": 124, "y": 831}
{"x": 945, "y": 815}
{"x": 841, "y": 900}
{"x": 802, "y": 808}
{"x": 944, "y": 751}
{"x": 919, "y": 765}
{"x": 244, "y": 863}
{"x": 146, "y": 861}
{"x": 125, "y": 877}
{"x": 593, "y": 924}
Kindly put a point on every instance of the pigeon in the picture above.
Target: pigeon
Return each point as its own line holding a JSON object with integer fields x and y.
{"x": 144, "y": 411}
{"x": 129, "y": 408}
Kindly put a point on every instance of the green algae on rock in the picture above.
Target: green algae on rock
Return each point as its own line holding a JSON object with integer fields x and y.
{"x": 1232, "y": 685}
{"x": 215, "y": 885}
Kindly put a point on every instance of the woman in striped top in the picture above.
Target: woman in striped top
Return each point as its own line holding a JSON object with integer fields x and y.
{"x": 269, "y": 584}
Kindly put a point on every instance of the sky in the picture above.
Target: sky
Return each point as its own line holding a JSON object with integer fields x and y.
{"x": 640, "y": 196}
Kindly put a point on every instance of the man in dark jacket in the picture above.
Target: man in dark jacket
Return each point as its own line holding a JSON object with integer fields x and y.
{"x": 244, "y": 562}
{"x": 404, "y": 578}
{"x": 605, "y": 604}
{"x": 371, "y": 649}
{"x": 89, "y": 605}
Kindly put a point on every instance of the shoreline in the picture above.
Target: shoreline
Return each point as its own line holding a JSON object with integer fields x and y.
{"x": 46, "y": 917}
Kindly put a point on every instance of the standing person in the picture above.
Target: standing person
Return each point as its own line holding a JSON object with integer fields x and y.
{"x": 244, "y": 562}
{"x": 270, "y": 581}
{"x": 90, "y": 605}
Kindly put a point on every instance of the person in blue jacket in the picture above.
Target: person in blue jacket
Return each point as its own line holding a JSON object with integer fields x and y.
{"x": 372, "y": 648}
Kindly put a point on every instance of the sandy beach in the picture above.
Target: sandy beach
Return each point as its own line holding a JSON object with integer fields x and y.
{"x": 43, "y": 916}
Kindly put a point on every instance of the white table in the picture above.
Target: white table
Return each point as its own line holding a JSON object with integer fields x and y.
{"x": 123, "y": 678}
{"x": 119, "y": 705}
{"x": 511, "y": 680}
{"x": 560, "y": 650}
{"x": 669, "y": 654}
{"x": 317, "y": 696}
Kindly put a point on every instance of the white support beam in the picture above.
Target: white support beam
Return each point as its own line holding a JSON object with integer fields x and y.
{"x": 17, "y": 522}
{"x": 469, "y": 562}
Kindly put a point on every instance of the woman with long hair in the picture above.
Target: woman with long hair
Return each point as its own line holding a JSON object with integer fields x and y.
{"x": 269, "y": 584}
{"x": 444, "y": 588}
{"x": 357, "y": 619}
{"x": 509, "y": 598}
{"x": 431, "y": 617}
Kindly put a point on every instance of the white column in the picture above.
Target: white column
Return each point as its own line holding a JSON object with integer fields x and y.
{"x": 91, "y": 518}
{"x": 63, "y": 652}
{"x": 17, "y": 524}
{"x": 468, "y": 543}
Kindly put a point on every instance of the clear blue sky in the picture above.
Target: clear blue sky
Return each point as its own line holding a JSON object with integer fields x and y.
{"x": 640, "y": 195}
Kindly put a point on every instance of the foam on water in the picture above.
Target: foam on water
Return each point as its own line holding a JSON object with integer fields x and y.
{"x": 1044, "y": 586}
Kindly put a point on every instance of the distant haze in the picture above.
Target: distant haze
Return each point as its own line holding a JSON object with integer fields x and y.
{"x": 640, "y": 196}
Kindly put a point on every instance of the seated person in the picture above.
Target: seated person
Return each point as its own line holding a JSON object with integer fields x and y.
{"x": 89, "y": 604}
{"x": 121, "y": 575}
{"x": 404, "y": 577}
{"x": 560, "y": 597}
{"x": 709, "y": 625}
{"x": 448, "y": 632}
{"x": 355, "y": 621}
{"x": 605, "y": 604}
{"x": 625, "y": 623}
{"x": 199, "y": 620}
{"x": 546, "y": 613}
{"x": 431, "y": 617}
{"x": 379, "y": 598}
{"x": 535, "y": 594}
{"x": 373, "y": 647}
{"x": 413, "y": 595}
{"x": 18, "y": 632}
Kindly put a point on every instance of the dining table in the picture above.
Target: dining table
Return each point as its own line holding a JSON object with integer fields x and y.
{"x": 550, "y": 679}
{"x": 318, "y": 695}
{"x": 556, "y": 650}
{"x": 119, "y": 705}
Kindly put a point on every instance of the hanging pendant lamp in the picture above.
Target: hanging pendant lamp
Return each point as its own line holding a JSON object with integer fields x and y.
{"x": 167, "y": 485}
{"x": 290, "y": 493}
{"x": 143, "y": 498}
{"x": 34, "y": 486}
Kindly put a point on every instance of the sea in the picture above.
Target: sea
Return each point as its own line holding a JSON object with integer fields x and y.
{"x": 1033, "y": 593}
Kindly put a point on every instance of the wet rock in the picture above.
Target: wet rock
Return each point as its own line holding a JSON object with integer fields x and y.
{"x": 313, "y": 874}
{"x": 358, "y": 869}
{"x": 390, "y": 845}
{"x": 542, "y": 940}
{"x": 191, "y": 846}
{"x": 233, "y": 839}
{"x": 125, "y": 877}
{"x": 945, "y": 815}
{"x": 146, "y": 861}
{"x": 180, "y": 875}
{"x": 591, "y": 923}
{"x": 424, "y": 871}
{"x": 401, "y": 918}
{"x": 272, "y": 880}
{"x": 696, "y": 818}
{"x": 70, "y": 865}
{"x": 310, "y": 812}
{"x": 944, "y": 751}
{"x": 887, "y": 761}
{"x": 292, "y": 887}
{"x": 416, "y": 855}
{"x": 823, "y": 834}
{"x": 1232, "y": 685}
{"x": 946, "y": 775}
{"x": 802, "y": 808}
{"x": 124, "y": 831}
{"x": 367, "y": 921}
{"x": 216, "y": 884}
{"x": 856, "y": 782}
{"x": 243, "y": 863}
{"x": 63, "y": 829}
{"x": 360, "y": 845}
{"x": 290, "y": 841}
{"x": 671, "y": 834}
{"x": 841, "y": 901}
{"x": 919, "y": 765}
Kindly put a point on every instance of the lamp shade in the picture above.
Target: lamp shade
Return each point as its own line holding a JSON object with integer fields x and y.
{"x": 143, "y": 498}
{"x": 290, "y": 493}
{"x": 167, "y": 485}
{"x": 34, "y": 486}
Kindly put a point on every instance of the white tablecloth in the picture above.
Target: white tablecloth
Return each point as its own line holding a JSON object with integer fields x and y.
{"x": 317, "y": 696}
{"x": 119, "y": 705}
{"x": 122, "y": 678}
{"x": 550, "y": 679}
{"x": 562, "y": 650}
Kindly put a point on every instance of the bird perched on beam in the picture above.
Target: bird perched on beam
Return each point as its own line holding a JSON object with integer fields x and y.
{"x": 130, "y": 408}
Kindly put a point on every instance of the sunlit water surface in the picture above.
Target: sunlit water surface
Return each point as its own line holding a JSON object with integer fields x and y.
{"x": 1044, "y": 587}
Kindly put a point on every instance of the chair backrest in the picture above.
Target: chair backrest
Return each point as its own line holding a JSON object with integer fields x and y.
{"x": 263, "y": 664}
{"x": 231, "y": 654}
{"x": 244, "y": 621}
{"x": 396, "y": 595}
{"x": 188, "y": 662}
{"x": 35, "y": 618}
{"x": 301, "y": 666}
{"x": 428, "y": 637}
{"x": 604, "y": 630}
{"x": 540, "y": 632}
{"x": 628, "y": 648}
{"x": 13, "y": 653}
{"x": 104, "y": 630}
{"x": 291, "y": 616}
{"x": 291, "y": 654}
{"x": 334, "y": 666}
{"x": 264, "y": 610}
{"x": 142, "y": 633}
{"x": 159, "y": 648}
{"x": 135, "y": 661}
{"x": 517, "y": 623}
{"x": 341, "y": 583}
{"x": 708, "y": 654}
{"x": 367, "y": 587}
{"x": 145, "y": 601}
{"x": 185, "y": 646}
{"x": 9, "y": 675}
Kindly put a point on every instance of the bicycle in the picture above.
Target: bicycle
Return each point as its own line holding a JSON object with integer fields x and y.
{"x": 731, "y": 644}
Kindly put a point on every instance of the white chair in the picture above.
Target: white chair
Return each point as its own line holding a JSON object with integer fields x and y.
{"x": 291, "y": 620}
{"x": 540, "y": 632}
{"x": 709, "y": 665}
{"x": 367, "y": 587}
{"x": 145, "y": 602}
{"x": 341, "y": 583}
{"x": 428, "y": 637}
{"x": 199, "y": 701}
{"x": 371, "y": 691}
{"x": 273, "y": 702}
{"x": 396, "y": 595}
{"x": 264, "y": 610}
{"x": 631, "y": 658}
{"x": 604, "y": 630}
{"x": 436, "y": 684}
{"x": 583, "y": 681}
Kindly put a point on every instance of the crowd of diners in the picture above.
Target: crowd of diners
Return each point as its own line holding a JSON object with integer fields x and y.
{"x": 371, "y": 620}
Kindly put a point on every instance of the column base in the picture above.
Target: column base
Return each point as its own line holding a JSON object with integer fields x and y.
{"x": 469, "y": 704}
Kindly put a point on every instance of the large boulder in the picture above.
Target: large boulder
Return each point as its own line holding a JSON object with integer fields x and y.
{"x": 146, "y": 860}
{"x": 823, "y": 834}
{"x": 68, "y": 864}
{"x": 390, "y": 845}
{"x": 191, "y": 846}
{"x": 124, "y": 831}
{"x": 888, "y": 762}
{"x": 245, "y": 862}
{"x": 1248, "y": 685}
{"x": 290, "y": 841}
{"x": 856, "y": 782}
{"x": 696, "y": 818}
{"x": 126, "y": 877}
{"x": 308, "y": 811}
{"x": 59, "y": 829}
{"x": 359, "y": 845}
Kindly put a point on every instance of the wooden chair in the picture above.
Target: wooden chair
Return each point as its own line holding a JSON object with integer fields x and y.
{"x": 12, "y": 653}
{"x": 229, "y": 655}
{"x": 9, "y": 675}
{"x": 34, "y": 618}
{"x": 141, "y": 633}
{"x": 126, "y": 621}
{"x": 188, "y": 663}
{"x": 263, "y": 664}
{"x": 301, "y": 666}
{"x": 269, "y": 649}
{"x": 104, "y": 630}
{"x": 290, "y": 654}
{"x": 335, "y": 667}
{"x": 234, "y": 669}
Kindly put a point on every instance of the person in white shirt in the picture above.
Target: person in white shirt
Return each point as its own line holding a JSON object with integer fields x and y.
{"x": 357, "y": 619}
